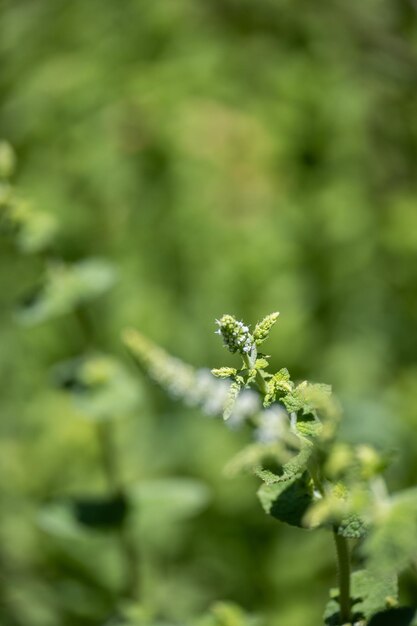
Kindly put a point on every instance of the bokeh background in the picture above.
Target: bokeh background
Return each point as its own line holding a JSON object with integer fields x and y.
{"x": 225, "y": 156}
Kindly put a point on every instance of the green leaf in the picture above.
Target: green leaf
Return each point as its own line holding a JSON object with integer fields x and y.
{"x": 369, "y": 593}
{"x": 36, "y": 232}
{"x": 308, "y": 398}
{"x": 70, "y": 518}
{"x": 392, "y": 542}
{"x": 292, "y": 468}
{"x": 7, "y": 159}
{"x": 58, "y": 519}
{"x": 170, "y": 499}
{"x": 278, "y": 384}
{"x": 66, "y": 287}
{"x": 100, "y": 386}
{"x": 261, "y": 364}
{"x": 232, "y": 396}
{"x": 309, "y": 428}
{"x": 289, "y": 500}
{"x": 224, "y": 372}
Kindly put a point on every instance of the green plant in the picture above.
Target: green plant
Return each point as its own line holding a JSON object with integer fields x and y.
{"x": 102, "y": 521}
{"x": 310, "y": 478}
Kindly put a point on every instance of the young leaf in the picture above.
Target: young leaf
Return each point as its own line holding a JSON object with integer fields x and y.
{"x": 234, "y": 390}
{"x": 279, "y": 384}
{"x": 224, "y": 372}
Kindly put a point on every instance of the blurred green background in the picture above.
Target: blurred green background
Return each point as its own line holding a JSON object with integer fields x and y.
{"x": 226, "y": 156}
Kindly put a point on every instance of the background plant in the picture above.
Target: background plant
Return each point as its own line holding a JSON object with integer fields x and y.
{"x": 225, "y": 157}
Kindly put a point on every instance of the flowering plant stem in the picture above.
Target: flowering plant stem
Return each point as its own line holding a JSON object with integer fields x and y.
{"x": 343, "y": 558}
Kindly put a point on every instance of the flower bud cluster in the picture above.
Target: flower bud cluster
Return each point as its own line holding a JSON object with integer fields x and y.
{"x": 262, "y": 328}
{"x": 236, "y": 336}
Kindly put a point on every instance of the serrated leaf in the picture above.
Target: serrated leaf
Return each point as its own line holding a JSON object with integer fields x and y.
{"x": 252, "y": 457}
{"x": 224, "y": 372}
{"x": 261, "y": 363}
{"x": 232, "y": 396}
{"x": 308, "y": 398}
{"x": 374, "y": 591}
{"x": 369, "y": 593}
{"x": 287, "y": 501}
{"x": 309, "y": 428}
{"x": 292, "y": 468}
{"x": 278, "y": 384}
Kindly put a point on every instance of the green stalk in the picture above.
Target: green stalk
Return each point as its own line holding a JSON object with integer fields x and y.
{"x": 343, "y": 559}
{"x": 260, "y": 381}
{"x": 106, "y": 438}
{"x": 109, "y": 455}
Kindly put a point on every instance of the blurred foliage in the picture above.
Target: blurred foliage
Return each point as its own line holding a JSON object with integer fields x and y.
{"x": 222, "y": 155}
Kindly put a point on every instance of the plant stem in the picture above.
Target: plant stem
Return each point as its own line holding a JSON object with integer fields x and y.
{"x": 343, "y": 559}
{"x": 106, "y": 437}
{"x": 260, "y": 381}
{"x": 85, "y": 326}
